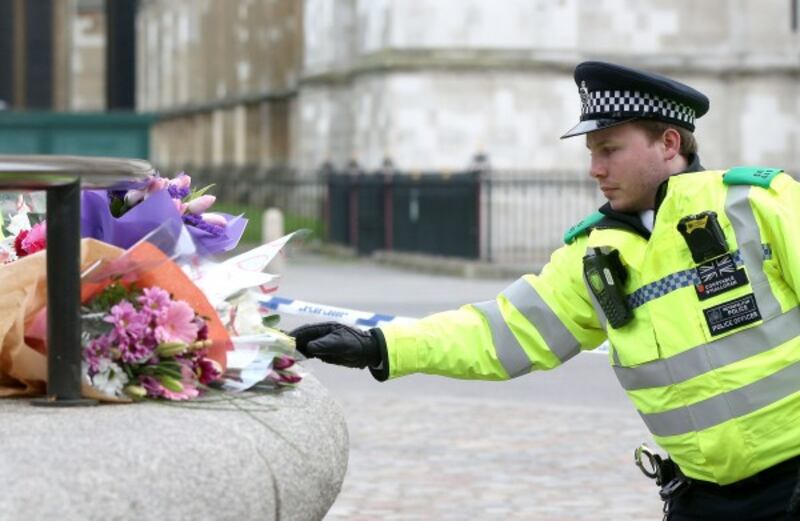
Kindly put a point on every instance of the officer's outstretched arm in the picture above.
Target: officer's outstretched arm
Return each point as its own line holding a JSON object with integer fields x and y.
{"x": 536, "y": 323}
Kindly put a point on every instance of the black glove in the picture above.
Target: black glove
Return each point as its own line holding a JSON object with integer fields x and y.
{"x": 336, "y": 343}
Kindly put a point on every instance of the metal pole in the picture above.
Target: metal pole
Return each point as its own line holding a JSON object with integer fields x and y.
{"x": 63, "y": 297}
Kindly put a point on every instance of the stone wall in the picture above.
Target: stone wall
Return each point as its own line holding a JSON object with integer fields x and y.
{"x": 429, "y": 83}
{"x": 224, "y": 76}
{"x": 79, "y": 36}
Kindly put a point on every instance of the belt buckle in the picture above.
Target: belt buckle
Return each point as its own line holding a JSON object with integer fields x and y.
{"x": 674, "y": 488}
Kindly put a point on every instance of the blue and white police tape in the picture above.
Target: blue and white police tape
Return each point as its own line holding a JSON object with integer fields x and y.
{"x": 350, "y": 317}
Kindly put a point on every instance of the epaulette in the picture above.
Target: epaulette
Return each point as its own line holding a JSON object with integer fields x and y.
{"x": 750, "y": 175}
{"x": 585, "y": 225}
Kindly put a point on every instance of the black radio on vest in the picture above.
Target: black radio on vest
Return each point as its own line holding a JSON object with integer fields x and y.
{"x": 605, "y": 274}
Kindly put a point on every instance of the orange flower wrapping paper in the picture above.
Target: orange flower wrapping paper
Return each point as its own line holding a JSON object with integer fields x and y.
{"x": 23, "y": 364}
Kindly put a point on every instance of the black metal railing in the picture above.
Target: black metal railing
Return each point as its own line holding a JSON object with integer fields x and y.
{"x": 514, "y": 217}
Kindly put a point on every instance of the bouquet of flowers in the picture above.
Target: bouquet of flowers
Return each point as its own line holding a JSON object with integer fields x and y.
{"x": 152, "y": 314}
{"x": 143, "y": 343}
{"x": 122, "y": 218}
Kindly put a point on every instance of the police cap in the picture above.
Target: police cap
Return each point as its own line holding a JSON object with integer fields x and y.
{"x": 613, "y": 94}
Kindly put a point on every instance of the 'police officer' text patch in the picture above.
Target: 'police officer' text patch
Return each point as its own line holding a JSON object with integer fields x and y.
{"x": 718, "y": 276}
{"x": 732, "y": 314}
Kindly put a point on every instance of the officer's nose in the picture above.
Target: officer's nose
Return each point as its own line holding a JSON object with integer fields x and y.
{"x": 597, "y": 168}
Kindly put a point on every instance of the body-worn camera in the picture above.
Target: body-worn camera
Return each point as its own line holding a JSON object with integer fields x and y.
{"x": 703, "y": 235}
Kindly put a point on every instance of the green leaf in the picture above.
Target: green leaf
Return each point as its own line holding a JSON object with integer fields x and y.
{"x": 270, "y": 320}
{"x": 112, "y": 295}
{"x": 197, "y": 193}
{"x": 117, "y": 207}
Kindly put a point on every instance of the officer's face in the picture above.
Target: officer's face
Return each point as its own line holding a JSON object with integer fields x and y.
{"x": 627, "y": 166}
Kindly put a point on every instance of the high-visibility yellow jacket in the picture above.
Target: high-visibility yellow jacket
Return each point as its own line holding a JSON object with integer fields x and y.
{"x": 716, "y": 380}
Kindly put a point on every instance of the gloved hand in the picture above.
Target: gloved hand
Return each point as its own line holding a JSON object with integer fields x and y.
{"x": 336, "y": 343}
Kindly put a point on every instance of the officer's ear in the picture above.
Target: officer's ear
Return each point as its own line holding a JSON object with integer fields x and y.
{"x": 671, "y": 141}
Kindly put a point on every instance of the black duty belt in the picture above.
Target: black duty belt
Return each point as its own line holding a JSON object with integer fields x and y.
{"x": 673, "y": 482}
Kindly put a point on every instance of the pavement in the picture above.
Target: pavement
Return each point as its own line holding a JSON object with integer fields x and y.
{"x": 555, "y": 445}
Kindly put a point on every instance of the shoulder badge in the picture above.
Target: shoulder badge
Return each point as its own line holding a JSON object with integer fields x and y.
{"x": 750, "y": 175}
{"x": 584, "y": 225}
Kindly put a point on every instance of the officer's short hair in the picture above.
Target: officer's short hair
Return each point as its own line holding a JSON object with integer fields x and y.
{"x": 655, "y": 129}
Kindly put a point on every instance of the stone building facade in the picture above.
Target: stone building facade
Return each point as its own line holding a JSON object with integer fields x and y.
{"x": 428, "y": 83}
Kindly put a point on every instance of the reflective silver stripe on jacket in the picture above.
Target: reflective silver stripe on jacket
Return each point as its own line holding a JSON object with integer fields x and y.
{"x": 527, "y": 300}
{"x": 740, "y": 214}
{"x": 725, "y": 406}
{"x": 512, "y": 357}
{"x": 716, "y": 354}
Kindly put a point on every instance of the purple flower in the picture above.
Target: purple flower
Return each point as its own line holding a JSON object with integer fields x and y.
{"x": 97, "y": 350}
{"x": 155, "y": 300}
{"x": 198, "y": 222}
{"x": 176, "y": 192}
{"x": 207, "y": 370}
{"x": 135, "y": 351}
{"x": 152, "y": 386}
{"x": 127, "y": 321}
{"x": 202, "y": 329}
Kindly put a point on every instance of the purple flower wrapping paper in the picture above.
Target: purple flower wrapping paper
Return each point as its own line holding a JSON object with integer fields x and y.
{"x": 159, "y": 208}
{"x": 209, "y": 243}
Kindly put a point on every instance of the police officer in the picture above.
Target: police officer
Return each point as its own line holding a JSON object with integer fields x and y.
{"x": 689, "y": 274}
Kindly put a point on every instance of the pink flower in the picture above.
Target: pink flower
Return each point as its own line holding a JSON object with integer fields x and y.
{"x": 187, "y": 384}
{"x": 155, "y": 300}
{"x": 155, "y": 184}
{"x": 181, "y": 181}
{"x": 282, "y": 362}
{"x": 214, "y": 218}
{"x": 188, "y": 392}
{"x": 180, "y": 206}
{"x": 130, "y": 329}
{"x": 200, "y": 204}
{"x": 177, "y": 324}
{"x": 36, "y": 239}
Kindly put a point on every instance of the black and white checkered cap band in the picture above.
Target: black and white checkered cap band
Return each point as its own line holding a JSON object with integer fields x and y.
{"x": 624, "y": 103}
